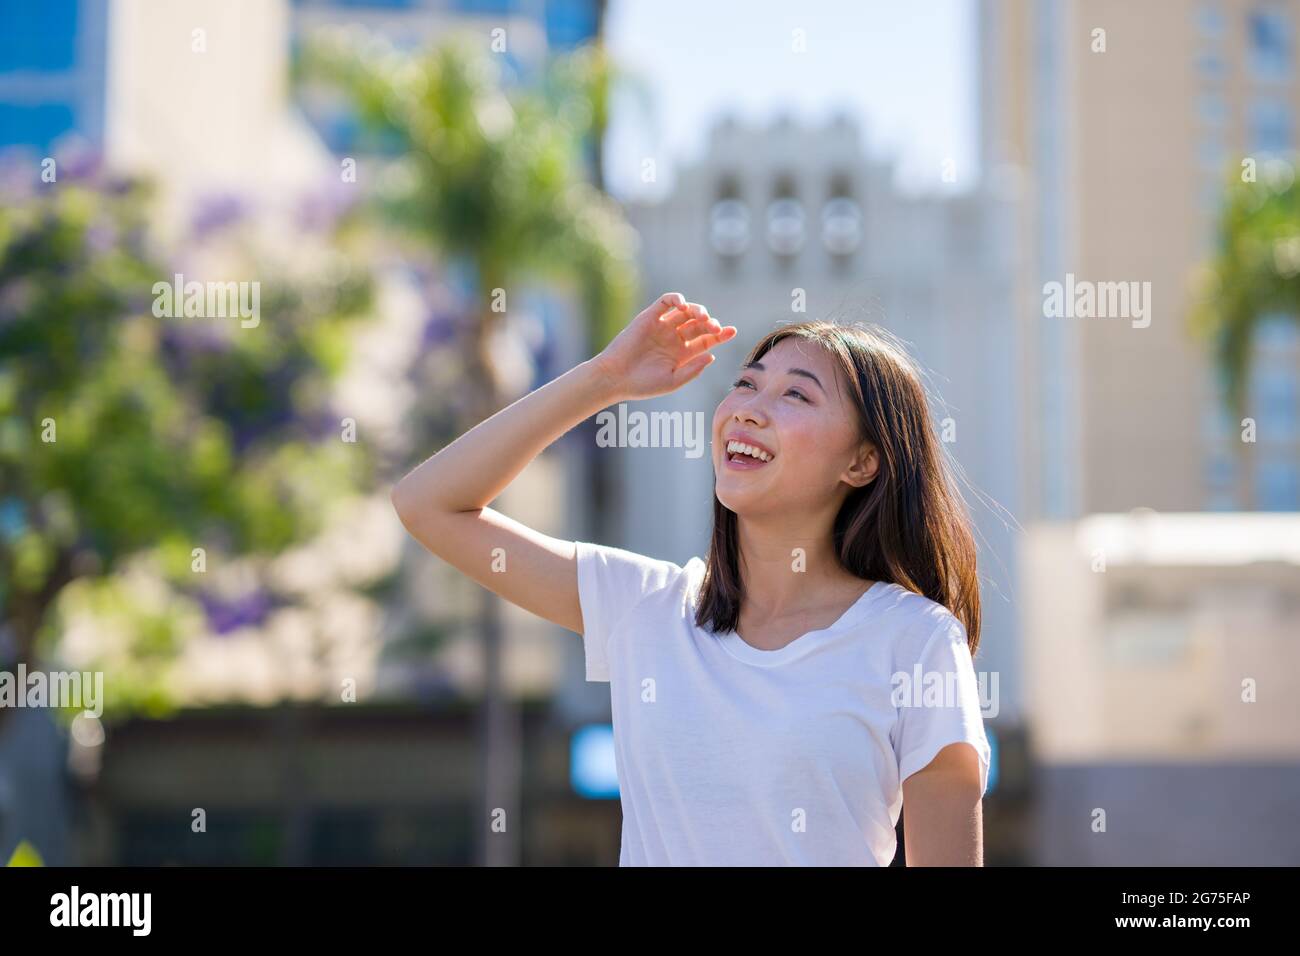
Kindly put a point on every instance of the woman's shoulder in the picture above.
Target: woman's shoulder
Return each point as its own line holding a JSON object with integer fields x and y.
{"x": 614, "y": 583}
{"x": 911, "y": 619}
{"x": 609, "y": 554}
{"x": 625, "y": 572}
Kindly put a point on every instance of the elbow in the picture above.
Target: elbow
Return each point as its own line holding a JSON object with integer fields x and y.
{"x": 418, "y": 512}
{"x": 413, "y": 507}
{"x": 400, "y": 497}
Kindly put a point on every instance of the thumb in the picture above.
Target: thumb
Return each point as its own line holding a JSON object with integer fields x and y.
{"x": 692, "y": 368}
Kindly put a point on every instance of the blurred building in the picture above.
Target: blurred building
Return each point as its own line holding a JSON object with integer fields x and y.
{"x": 52, "y": 63}
{"x": 391, "y": 785}
{"x": 1162, "y": 675}
{"x": 1125, "y": 122}
{"x": 786, "y": 223}
{"x": 194, "y": 94}
{"x": 1122, "y": 124}
{"x": 54, "y": 54}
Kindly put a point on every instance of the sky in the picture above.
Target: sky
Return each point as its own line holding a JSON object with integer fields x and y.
{"x": 906, "y": 70}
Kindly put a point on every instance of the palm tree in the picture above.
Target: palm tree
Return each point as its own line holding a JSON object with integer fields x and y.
{"x": 1254, "y": 273}
{"x": 493, "y": 180}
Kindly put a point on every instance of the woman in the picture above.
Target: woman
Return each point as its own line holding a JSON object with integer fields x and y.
{"x": 778, "y": 703}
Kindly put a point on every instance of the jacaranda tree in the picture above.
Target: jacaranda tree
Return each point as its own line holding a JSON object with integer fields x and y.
{"x": 127, "y": 429}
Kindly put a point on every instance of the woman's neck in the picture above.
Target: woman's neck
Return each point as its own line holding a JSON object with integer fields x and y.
{"x": 785, "y": 570}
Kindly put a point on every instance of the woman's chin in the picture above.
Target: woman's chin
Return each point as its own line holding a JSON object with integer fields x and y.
{"x": 736, "y": 501}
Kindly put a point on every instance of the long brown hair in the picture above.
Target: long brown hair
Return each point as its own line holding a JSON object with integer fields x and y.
{"x": 909, "y": 525}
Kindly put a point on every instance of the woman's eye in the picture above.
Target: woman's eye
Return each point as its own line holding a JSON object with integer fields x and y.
{"x": 795, "y": 391}
{"x": 742, "y": 381}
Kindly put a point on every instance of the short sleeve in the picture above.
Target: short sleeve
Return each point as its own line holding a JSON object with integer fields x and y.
{"x": 611, "y": 582}
{"x": 939, "y": 703}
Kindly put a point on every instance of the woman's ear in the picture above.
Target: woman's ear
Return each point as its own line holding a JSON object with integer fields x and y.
{"x": 864, "y": 468}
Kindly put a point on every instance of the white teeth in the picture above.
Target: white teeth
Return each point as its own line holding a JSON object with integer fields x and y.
{"x": 742, "y": 448}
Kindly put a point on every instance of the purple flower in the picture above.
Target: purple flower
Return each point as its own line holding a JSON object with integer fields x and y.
{"x": 321, "y": 209}
{"x": 101, "y": 236}
{"x": 247, "y": 610}
{"x": 181, "y": 342}
{"x": 20, "y": 173}
{"x": 76, "y": 158}
{"x": 439, "y": 329}
{"x": 216, "y": 211}
{"x": 322, "y": 424}
{"x": 118, "y": 185}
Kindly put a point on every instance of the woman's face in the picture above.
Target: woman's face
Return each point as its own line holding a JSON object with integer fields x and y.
{"x": 791, "y": 405}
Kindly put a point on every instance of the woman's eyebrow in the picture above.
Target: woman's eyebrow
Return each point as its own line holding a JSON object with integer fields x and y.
{"x": 806, "y": 374}
{"x": 792, "y": 371}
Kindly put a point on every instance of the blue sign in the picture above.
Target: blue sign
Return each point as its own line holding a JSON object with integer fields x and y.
{"x": 592, "y": 769}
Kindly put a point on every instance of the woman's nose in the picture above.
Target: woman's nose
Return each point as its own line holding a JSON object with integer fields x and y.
{"x": 749, "y": 412}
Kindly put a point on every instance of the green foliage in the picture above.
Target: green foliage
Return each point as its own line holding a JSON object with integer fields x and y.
{"x": 477, "y": 172}
{"x": 122, "y": 432}
{"x": 1255, "y": 272}
{"x": 141, "y": 627}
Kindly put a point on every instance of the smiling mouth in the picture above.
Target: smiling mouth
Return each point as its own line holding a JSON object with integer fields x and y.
{"x": 738, "y": 453}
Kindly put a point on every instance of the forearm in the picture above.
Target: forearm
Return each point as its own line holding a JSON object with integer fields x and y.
{"x": 474, "y": 469}
{"x": 943, "y": 813}
{"x": 444, "y": 503}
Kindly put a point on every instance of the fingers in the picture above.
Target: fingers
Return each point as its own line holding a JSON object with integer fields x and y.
{"x": 707, "y": 341}
{"x": 697, "y": 330}
{"x": 684, "y": 313}
{"x": 698, "y": 326}
{"x": 665, "y": 304}
{"x": 684, "y": 373}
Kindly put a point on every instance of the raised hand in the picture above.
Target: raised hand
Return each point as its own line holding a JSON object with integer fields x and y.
{"x": 663, "y": 348}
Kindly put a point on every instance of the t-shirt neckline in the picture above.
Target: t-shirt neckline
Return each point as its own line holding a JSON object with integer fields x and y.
{"x": 739, "y": 648}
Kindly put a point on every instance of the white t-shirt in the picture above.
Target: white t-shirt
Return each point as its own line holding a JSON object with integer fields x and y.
{"x": 728, "y": 755}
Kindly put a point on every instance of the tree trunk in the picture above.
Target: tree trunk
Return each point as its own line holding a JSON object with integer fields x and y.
{"x": 26, "y": 612}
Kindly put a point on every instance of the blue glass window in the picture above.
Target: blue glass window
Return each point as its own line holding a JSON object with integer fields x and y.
{"x": 1275, "y": 400}
{"x": 1277, "y": 485}
{"x": 1270, "y": 43}
{"x": 569, "y": 23}
{"x": 37, "y": 126}
{"x": 1270, "y": 126}
{"x": 40, "y": 35}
